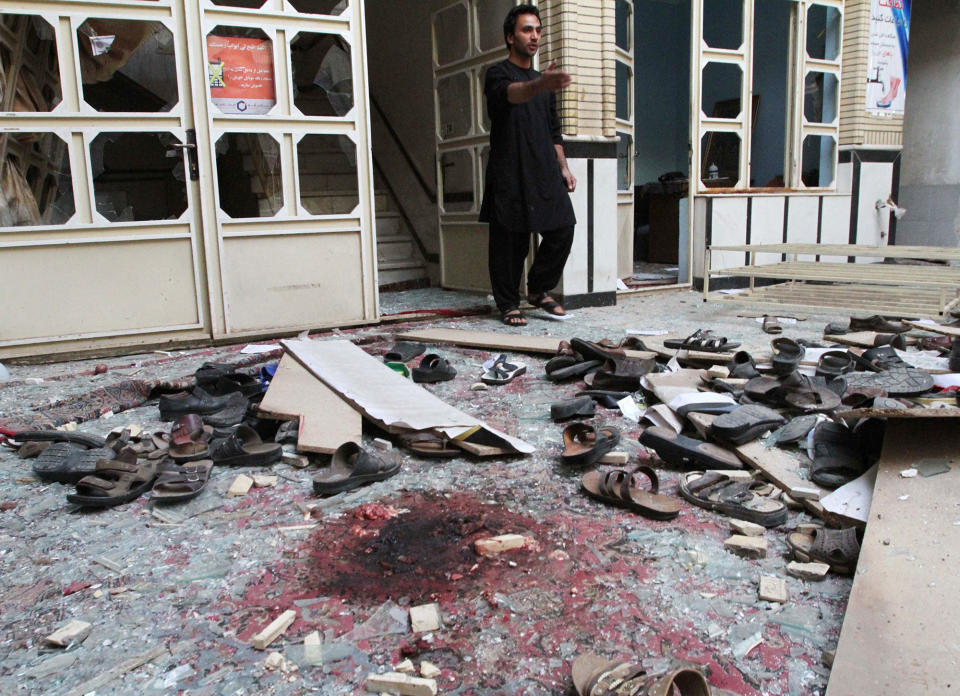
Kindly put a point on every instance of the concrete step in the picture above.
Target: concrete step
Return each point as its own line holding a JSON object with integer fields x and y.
{"x": 397, "y": 248}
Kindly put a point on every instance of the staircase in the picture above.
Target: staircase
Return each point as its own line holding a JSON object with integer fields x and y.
{"x": 399, "y": 261}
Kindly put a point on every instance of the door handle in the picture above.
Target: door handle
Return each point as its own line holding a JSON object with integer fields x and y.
{"x": 191, "y": 148}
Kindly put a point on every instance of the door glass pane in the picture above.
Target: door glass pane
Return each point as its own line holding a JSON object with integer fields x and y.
{"x": 456, "y": 174}
{"x": 723, "y": 23}
{"x": 450, "y": 34}
{"x": 35, "y": 180}
{"x": 771, "y": 66}
{"x": 624, "y": 24}
{"x": 624, "y": 160}
{"x": 820, "y": 97}
{"x": 823, "y": 32}
{"x": 322, "y": 7}
{"x": 248, "y": 175}
{"x": 720, "y": 160}
{"x": 819, "y": 160}
{"x": 240, "y": 70}
{"x": 453, "y": 99}
{"x": 322, "y": 74}
{"x": 28, "y": 51}
{"x": 624, "y": 77}
{"x": 327, "y": 167}
{"x": 138, "y": 176}
{"x": 490, "y": 16}
{"x": 250, "y": 4}
{"x": 721, "y": 85}
{"x": 127, "y": 65}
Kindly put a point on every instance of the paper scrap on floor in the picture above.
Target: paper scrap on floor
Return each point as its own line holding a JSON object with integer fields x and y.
{"x": 386, "y": 396}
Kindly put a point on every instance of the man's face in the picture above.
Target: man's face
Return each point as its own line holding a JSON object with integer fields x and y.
{"x": 526, "y": 37}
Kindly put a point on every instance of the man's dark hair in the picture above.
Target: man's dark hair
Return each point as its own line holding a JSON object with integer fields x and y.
{"x": 510, "y": 23}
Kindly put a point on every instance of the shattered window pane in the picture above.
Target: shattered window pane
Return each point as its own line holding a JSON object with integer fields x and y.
{"x": 322, "y": 74}
{"x": 454, "y": 103}
{"x": 127, "y": 65}
{"x": 327, "y": 167}
{"x": 321, "y": 7}
{"x": 138, "y": 176}
{"x": 29, "y": 66}
{"x": 35, "y": 183}
{"x": 450, "y": 34}
{"x": 248, "y": 175}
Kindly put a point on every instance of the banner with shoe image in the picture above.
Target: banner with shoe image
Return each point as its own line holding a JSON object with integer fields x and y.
{"x": 887, "y": 60}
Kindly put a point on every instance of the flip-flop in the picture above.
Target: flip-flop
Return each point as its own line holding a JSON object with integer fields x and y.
{"x": 745, "y": 424}
{"x": 176, "y": 484}
{"x": 403, "y": 351}
{"x": 584, "y": 445}
{"x": 795, "y": 430}
{"x": 596, "y": 676}
{"x": 513, "y": 317}
{"x": 352, "y": 467}
{"x": 65, "y": 462}
{"x": 115, "y": 481}
{"x": 433, "y": 368}
{"x": 549, "y": 305}
{"x": 716, "y": 491}
{"x": 502, "y": 372}
{"x": 621, "y": 487}
{"x": 245, "y": 448}
{"x": 680, "y": 450}
{"x": 702, "y": 340}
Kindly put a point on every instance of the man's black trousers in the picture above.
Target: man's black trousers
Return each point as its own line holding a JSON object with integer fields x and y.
{"x": 507, "y": 252}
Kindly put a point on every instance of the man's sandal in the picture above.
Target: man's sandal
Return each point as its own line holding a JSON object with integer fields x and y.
{"x": 547, "y": 304}
{"x": 513, "y": 317}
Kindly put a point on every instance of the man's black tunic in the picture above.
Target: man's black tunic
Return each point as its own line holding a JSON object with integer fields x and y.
{"x": 524, "y": 191}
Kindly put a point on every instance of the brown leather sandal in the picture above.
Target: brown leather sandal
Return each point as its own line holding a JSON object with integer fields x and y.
{"x": 838, "y": 548}
{"x": 621, "y": 487}
{"x": 596, "y": 676}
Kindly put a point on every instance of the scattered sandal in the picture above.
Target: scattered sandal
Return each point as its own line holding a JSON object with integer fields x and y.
{"x": 513, "y": 317}
{"x": 838, "y": 455}
{"x": 746, "y": 423}
{"x": 245, "y": 448}
{"x": 433, "y": 368}
{"x": 427, "y": 444}
{"x": 404, "y": 351}
{"x": 787, "y": 355}
{"x": 580, "y": 407}
{"x": 597, "y": 676}
{"x": 352, "y": 467}
{"x": 547, "y": 304}
{"x": 502, "y": 372}
{"x": 702, "y": 340}
{"x": 66, "y": 462}
{"x": 176, "y": 483}
{"x": 583, "y": 444}
{"x": 771, "y": 324}
{"x": 621, "y": 487}
{"x": 716, "y": 491}
{"x": 680, "y": 450}
{"x": 188, "y": 439}
{"x": 115, "y": 481}
{"x": 838, "y": 548}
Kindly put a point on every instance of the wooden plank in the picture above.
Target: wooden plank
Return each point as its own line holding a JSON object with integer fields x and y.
{"x": 898, "y": 251}
{"x": 899, "y": 632}
{"x": 782, "y": 468}
{"x": 900, "y": 413}
{"x": 878, "y": 274}
{"x": 936, "y": 328}
{"x": 273, "y": 630}
{"x": 326, "y": 420}
{"x": 485, "y": 339}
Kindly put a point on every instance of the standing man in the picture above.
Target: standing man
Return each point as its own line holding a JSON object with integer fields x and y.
{"x": 527, "y": 182}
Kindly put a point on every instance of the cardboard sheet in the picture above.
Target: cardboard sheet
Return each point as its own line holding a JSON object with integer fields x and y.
{"x": 326, "y": 420}
{"x": 934, "y": 327}
{"x": 668, "y": 385}
{"x": 385, "y": 396}
{"x": 852, "y": 500}
{"x": 899, "y": 632}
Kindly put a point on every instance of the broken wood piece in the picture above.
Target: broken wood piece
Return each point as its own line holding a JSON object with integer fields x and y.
{"x": 406, "y": 667}
{"x": 107, "y": 563}
{"x": 733, "y": 474}
{"x": 619, "y": 458}
{"x": 808, "y": 571}
{"x": 274, "y": 661}
{"x": 240, "y": 486}
{"x": 425, "y": 617}
{"x": 748, "y": 547}
{"x": 718, "y": 372}
{"x": 750, "y": 529}
{"x": 790, "y": 502}
{"x": 299, "y": 461}
{"x": 72, "y": 632}
{"x": 772, "y": 589}
{"x": 780, "y": 467}
{"x": 274, "y": 629}
{"x": 382, "y": 444}
{"x": 491, "y": 546}
{"x": 428, "y": 670}
{"x": 403, "y": 684}
{"x": 265, "y": 480}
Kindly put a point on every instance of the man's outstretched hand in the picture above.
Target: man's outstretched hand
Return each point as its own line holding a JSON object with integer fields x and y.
{"x": 553, "y": 79}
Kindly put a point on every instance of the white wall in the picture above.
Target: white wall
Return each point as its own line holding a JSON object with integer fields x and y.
{"x": 930, "y": 174}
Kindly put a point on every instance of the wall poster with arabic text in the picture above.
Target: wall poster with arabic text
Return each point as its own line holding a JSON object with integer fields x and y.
{"x": 887, "y": 60}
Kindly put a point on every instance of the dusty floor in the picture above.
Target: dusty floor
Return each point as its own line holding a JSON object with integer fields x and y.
{"x": 184, "y": 589}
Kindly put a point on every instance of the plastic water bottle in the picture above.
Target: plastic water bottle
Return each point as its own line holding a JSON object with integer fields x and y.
{"x": 713, "y": 172}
